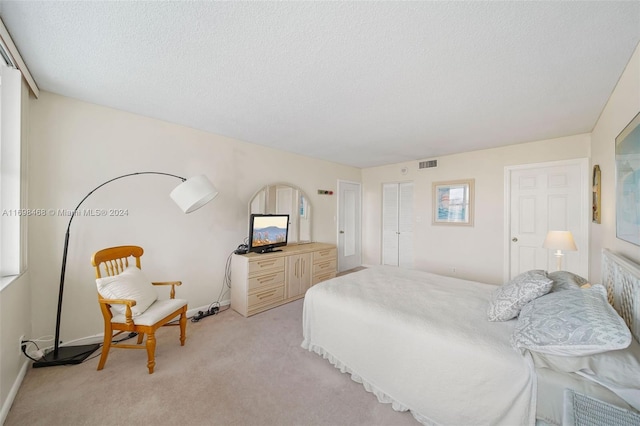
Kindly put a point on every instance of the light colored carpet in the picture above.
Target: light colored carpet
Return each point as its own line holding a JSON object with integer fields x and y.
{"x": 232, "y": 371}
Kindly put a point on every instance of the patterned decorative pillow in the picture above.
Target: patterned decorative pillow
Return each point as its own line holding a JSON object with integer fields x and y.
{"x": 565, "y": 280}
{"x": 130, "y": 284}
{"x": 571, "y": 323}
{"x": 507, "y": 300}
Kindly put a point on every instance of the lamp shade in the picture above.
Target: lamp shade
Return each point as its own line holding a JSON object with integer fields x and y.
{"x": 560, "y": 240}
{"x": 193, "y": 193}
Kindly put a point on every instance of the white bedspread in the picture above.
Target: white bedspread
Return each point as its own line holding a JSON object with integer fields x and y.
{"x": 422, "y": 342}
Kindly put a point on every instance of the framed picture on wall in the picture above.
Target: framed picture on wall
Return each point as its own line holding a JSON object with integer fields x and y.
{"x": 595, "y": 190}
{"x": 628, "y": 183}
{"x": 453, "y": 202}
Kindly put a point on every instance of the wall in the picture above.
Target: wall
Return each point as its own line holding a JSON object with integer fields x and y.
{"x": 76, "y": 146}
{"x": 622, "y": 106}
{"x": 475, "y": 252}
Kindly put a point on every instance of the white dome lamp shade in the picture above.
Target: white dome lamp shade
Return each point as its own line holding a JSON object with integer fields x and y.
{"x": 193, "y": 193}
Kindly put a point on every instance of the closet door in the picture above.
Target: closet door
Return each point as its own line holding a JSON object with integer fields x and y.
{"x": 397, "y": 224}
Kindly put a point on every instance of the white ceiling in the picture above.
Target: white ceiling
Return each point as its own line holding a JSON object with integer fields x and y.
{"x": 358, "y": 83}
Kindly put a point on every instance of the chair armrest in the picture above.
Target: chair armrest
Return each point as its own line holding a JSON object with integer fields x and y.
{"x": 167, "y": 283}
{"x": 172, "y": 294}
{"x": 128, "y": 304}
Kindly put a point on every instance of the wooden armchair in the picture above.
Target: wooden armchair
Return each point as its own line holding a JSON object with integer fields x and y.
{"x": 129, "y": 302}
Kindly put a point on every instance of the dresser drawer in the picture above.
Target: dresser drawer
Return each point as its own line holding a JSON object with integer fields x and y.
{"x": 326, "y": 254}
{"x": 326, "y": 266}
{"x": 264, "y": 297}
{"x": 257, "y": 266}
{"x": 268, "y": 279}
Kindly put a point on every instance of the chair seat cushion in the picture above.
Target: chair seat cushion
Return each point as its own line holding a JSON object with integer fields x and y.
{"x": 129, "y": 284}
{"x": 158, "y": 310}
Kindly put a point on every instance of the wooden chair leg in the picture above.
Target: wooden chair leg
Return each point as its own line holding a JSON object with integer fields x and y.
{"x": 183, "y": 327}
{"x": 151, "y": 350}
{"x": 140, "y": 337}
{"x": 106, "y": 345}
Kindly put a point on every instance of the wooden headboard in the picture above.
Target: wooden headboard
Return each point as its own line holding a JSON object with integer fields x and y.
{"x": 621, "y": 277}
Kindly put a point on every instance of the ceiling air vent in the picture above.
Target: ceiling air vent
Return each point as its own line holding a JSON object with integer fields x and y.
{"x": 427, "y": 164}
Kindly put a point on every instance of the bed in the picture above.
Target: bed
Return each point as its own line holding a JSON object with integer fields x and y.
{"x": 423, "y": 343}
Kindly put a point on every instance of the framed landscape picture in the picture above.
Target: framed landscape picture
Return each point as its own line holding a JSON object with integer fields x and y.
{"x": 453, "y": 202}
{"x": 628, "y": 183}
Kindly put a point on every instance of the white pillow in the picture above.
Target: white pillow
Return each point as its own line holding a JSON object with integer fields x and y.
{"x": 507, "y": 300}
{"x": 571, "y": 323}
{"x": 617, "y": 370}
{"x": 130, "y": 284}
{"x": 621, "y": 366}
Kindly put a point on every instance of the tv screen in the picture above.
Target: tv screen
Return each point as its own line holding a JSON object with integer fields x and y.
{"x": 268, "y": 231}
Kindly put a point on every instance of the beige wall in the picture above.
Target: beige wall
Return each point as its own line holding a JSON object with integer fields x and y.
{"x": 75, "y": 146}
{"x": 622, "y": 106}
{"x": 475, "y": 252}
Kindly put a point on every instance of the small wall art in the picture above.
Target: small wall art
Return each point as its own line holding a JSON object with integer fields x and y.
{"x": 596, "y": 194}
{"x": 453, "y": 202}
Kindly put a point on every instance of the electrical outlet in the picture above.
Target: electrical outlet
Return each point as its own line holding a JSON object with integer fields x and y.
{"x": 20, "y": 344}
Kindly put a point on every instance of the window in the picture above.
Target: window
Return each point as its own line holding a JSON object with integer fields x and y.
{"x": 12, "y": 219}
{"x": 14, "y": 78}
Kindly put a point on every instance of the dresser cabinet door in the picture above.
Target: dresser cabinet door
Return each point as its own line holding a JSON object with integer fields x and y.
{"x": 298, "y": 276}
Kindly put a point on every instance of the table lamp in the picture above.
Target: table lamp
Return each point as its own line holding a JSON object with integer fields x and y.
{"x": 559, "y": 240}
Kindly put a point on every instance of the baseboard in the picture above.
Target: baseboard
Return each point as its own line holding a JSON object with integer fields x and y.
{"x": 99, "y": 338}
{"x": 193, "y": 311}
{"x": 6, "y": 406}
{"x": 87, "y": 340}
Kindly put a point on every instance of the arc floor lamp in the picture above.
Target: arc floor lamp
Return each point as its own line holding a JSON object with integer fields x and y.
{"x": 190, "y": 195}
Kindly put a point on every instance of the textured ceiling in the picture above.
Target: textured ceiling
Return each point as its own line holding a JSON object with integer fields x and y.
{"x": 358, "y": 83}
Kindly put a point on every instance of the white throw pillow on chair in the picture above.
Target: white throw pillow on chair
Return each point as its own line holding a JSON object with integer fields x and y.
{"x": 130, "y": 284}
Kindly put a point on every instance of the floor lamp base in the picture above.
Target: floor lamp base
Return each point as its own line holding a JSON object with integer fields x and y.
{"x": 67, "y": 355}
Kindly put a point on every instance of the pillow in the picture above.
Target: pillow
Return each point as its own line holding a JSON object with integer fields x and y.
{"x": 565, "y": 280}
{"x": 617, "y": 370}
{"x": 507, "y": 300}
{"x": 130, "y": 284}
{"x": 621, "y": 366}
{"x": 571, "y": 323}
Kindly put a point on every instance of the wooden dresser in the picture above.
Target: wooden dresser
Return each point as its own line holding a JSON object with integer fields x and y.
{"x": 264, "y": 281}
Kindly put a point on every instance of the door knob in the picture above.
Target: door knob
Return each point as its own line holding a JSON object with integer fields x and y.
{"x": 342, "y": 232}
{"x": 514, "y": 239}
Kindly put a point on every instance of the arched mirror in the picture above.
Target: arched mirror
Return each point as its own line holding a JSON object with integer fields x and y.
{"x": 284, "y": 198}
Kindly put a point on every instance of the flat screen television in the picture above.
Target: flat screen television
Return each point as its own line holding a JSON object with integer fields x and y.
{"x": 268, "y": 231}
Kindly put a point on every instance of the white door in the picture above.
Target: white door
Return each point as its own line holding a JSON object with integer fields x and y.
{"x": 349, "y": 226}
{"x": 546, "y": 197}
{"x": 397, "y": 224}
